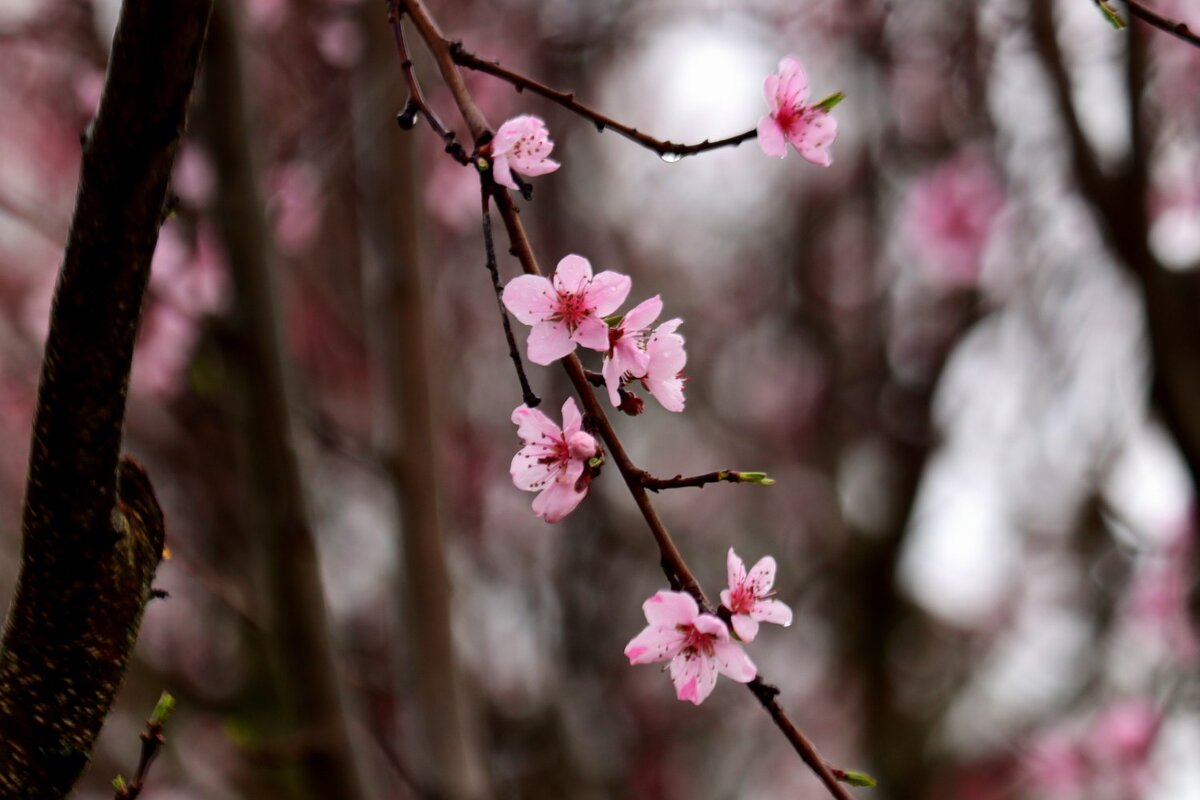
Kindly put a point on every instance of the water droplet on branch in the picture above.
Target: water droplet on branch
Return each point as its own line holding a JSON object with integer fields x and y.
{"x": 410, "y": 116}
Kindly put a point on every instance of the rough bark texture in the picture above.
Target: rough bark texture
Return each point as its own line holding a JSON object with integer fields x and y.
{"x": 293, "y": 596}
{"x": 92, "y": 531}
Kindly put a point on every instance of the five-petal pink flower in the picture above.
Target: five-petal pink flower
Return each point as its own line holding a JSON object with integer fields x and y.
{"x": 667, "y": 358}
{"x": 627, "y": 346}
{"x": 553, "y": 460}
{"x": 522, "y": 145}
{"x": 698, "y": 645}
{"x": 567, "y": 312}
{"x": 810, "y": 129}
{"x": 747, "y": 597}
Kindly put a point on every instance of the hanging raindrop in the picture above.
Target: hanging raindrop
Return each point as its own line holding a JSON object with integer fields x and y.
{"x": 410, "y": 116}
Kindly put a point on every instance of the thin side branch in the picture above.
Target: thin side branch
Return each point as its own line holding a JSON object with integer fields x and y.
{"x": 700, "y": 481}
{"x": 665, "y": 149}
{"x": 416, "y": 101}
{"x": 1179, "y": 30}
{"x": 530, "y": 399}
{"x": 152, "y": 742}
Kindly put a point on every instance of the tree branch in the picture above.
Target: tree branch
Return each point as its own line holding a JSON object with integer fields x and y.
{"x": 674, "y": 565}
{"x": 92, "y": 529}
{"x": 666, "y": 149}
{"x": 1179, "y": 30}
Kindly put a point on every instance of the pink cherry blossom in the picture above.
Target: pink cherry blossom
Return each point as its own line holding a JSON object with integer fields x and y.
{"x": 521, "y": 144}
{"x": 627, "y": 346}
{"x": 553, "y": 460}
{"x": 950, "y": 214}
{"x": 664, "y": 349}
{"x": 698, "y": 645}
{"x": 567, "y": 312}
{"x": 809, "y": 129}
{"x": 747, "y": 597}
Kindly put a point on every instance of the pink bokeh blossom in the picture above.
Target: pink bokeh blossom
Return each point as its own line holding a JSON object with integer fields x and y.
{"x": 567, "y": 312}
{"x": 664, "y": 372}
{"x": 627, "y": 347}
{"x": 522, "y": 145}
{"x": 748, "y": 596}
{"x": 698, "y": 645}
{"x": 811, "y": 130}
{"x": 949, "y": 215}
{"x": 553, "y": 461}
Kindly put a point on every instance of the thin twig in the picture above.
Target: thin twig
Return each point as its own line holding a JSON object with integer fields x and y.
{"x": 485, "y": 187}
{"x": 673, "y": 563}
{"x": 666, "y": 149}
{"x": 152, "y": 742}
{"x": 1179, "y": 30}
{"x": 700, "y": 481}
{"x": 416, "y": 101}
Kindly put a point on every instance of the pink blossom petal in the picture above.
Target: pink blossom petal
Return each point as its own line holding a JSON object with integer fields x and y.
{"x": 502, "y": 173}
{"x": 557, "y": 500}
{"x": 793, "y": 81}
{"x": 735, "y": 569}
{"x": 667, "y": 609}
{"x": 581, "y": 446}
{"x": 733, "y": 662}
{"x": 770, "y": 137}
{"x": 694, "y": 676}
{"x": 572, "y": 274}
{"x": 592, "y": 333}
{"x": 509, "y": 133}
{"x": 632, "y": 358}
{"x": 773, "y": 611}
{"x": 813, "y": 136}
{"x": 667, "y": 359}
{"x": 548, "y": 342}
{"x": 572, "y": 419}
{"x": 612, "y": 379}
{"x": 771, "y": 91}
{"x": 762, "y": 576}
{"x": 531, "y": 473}
{"x": 542, "y": 166}
{"x": 711, "y": 626}
{"x": 655, "y": 644}
{"x": 608, "y": 291}
{"x": 643, "y": 314}
{"x": 533, "y": 425}
{"x": 745, "y": 627}
{"x": 530, "y": 298}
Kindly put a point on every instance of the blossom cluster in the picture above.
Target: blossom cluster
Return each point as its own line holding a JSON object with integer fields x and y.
{"x": 699, "y": 644}
{"x": 579, "y": 308}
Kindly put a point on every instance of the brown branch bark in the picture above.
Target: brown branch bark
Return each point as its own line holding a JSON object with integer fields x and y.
{"x": 294, "y": 604}
{"x": 673, "y": 563}
{"x": 673, "y": 150}
{"x": 92, "y": 529}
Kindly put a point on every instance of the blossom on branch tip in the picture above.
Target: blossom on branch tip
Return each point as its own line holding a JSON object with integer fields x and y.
{"x": 810, "y": 129}
{"x": 627, "y": 347}
{"x": 698, "y": 645}
{"x": 567, "y": 312}
{"x": 553, "y": 460}
{"x": 522, "y": 145}
{"x": 667, "y": 359}
{"x": 748, "y": 596}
